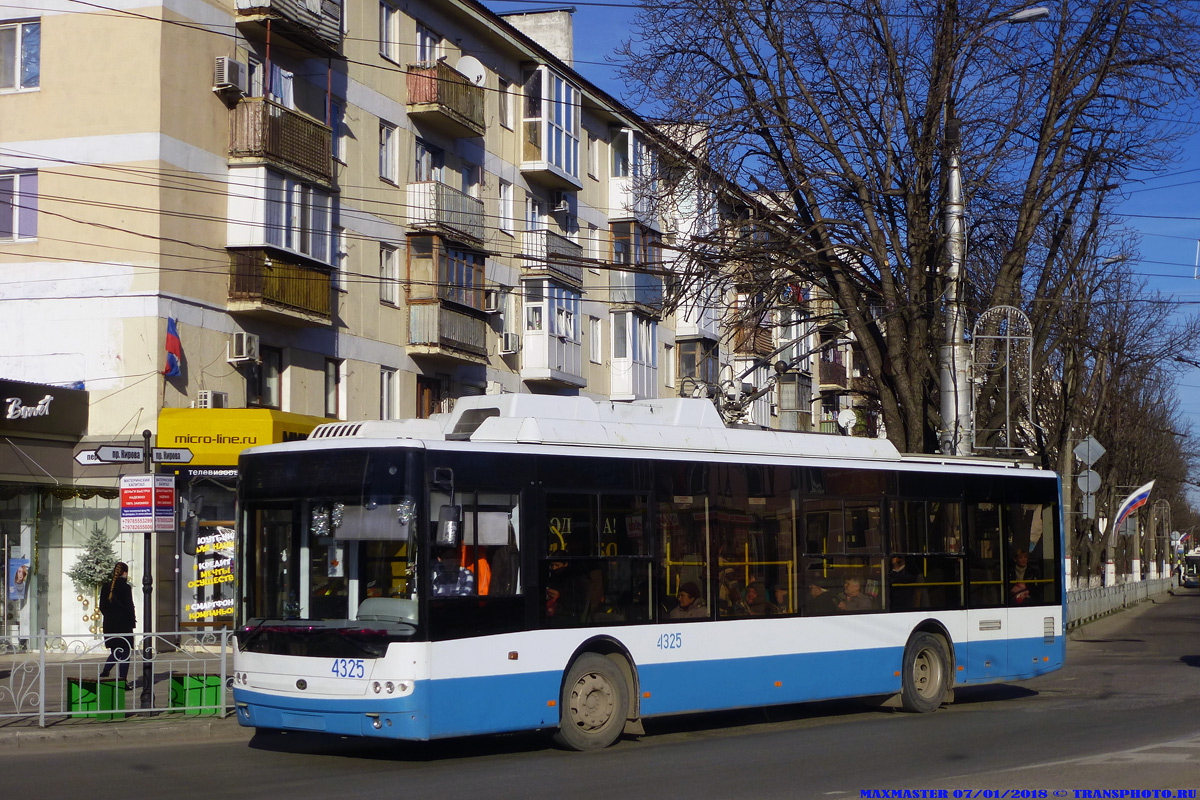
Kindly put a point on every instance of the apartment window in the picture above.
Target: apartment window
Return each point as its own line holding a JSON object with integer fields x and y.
{"x": 504, "y": 96}
{"x": 389, "y": 274}
{"x": 335, "y": 122}
{"x": 387, "y": 393}
{"x": 264, "y": 379}
{"x": 635, "y": 244}
{"x": 471, "y": 178}
{"x": 389, "y": 32}
{"x": 254, "y": 66}
{"x": 593, "y": 246}
{"x": 593, "y": 155}
{"x": 459, "y": 272}
{"x": 333, "y": 388}
{"x": 554, "y": 308}
{"x": 429, "y": 45}
{"x": 620, "y": 154}
{"x": 595, "y": 332}
{"x": 668, "y": 365}
{"x": 506, "y": 207}
{"x": 18, "y": 205}
{"x": 635, "y": 337}
{"x": 551, "y": 121}
{"x": 341, "y": 259}
{"x": 388, "y": 164}
{"x": 428, "y": 162}
{"x": 535, "y": 214}
{"x": 698, "y": 360}
{"x": 20, "y": 56}
{"x": 298, "y": 216}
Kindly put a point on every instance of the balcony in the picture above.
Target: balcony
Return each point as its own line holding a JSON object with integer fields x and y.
{"x": 444, "y": 99}
{"x": 312, "y": 27}
{"x": 261, "y": 130}
{"x": 753, "y": 340}
{"x": 281, "y": 289}
{"x": 547, "y": 254}
{"x": 440, "y": 332}
{"x": 434, "y": 206}
{"x": 833, "y": 376}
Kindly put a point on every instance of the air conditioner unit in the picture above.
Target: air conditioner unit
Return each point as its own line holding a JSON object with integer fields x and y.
{"x": 562, "y": 202}
{"x": 493, "y": 300}
{"x": 229, "y": 75}
{"x": 243, "y": 348}
{"x": 671, "y": 225}
{"x": 207, "y": 398}
{"x": 509, "y": 343}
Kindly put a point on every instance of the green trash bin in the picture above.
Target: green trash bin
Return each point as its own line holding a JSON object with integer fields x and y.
{"x": 96, "y": 699}
{"x": 190, "y": 691}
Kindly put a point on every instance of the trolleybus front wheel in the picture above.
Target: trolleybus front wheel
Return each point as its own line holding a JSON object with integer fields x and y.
{"x": 594, "y": 703}
{"x": 925, "y": 675}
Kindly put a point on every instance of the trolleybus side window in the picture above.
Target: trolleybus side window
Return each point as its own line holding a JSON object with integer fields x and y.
{"x": 683, "y": 541}
{"x": 1030, "y": 546}
{"x": 983, "y": 555}
{"x": 924, "y": 571}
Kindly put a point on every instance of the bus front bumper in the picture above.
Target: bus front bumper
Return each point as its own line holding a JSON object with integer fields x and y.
{"x": 393, "y": 718}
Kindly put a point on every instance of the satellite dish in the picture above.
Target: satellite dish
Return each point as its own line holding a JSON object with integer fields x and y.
{"x": 472, "y": 68}
{"x": 846, "y": 419}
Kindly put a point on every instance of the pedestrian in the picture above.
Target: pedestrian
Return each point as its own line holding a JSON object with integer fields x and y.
{"x": 120, "y": 616}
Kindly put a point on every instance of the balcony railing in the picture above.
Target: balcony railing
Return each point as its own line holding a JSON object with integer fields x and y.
{"x": 435, "y": 329}
{"x": 443, "y": 97}
{"x": 553, "y": 255}
{"x": 436, "y": 205}
{"x": 259, "y": 281}
{"x": 265, "y": 130}
{"x": 833, "y": 375}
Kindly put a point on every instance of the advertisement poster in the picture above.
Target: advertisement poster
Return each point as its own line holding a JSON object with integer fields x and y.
{"x": 212, "y": 587}
{"x": 18, "y": 578}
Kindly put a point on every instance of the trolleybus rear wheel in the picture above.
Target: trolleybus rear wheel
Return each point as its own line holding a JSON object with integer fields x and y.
{"x": 925, "y": 674}
{"x": 594, "y": 703}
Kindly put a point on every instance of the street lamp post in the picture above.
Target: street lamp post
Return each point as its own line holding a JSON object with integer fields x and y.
{"x": 954, "y": 357}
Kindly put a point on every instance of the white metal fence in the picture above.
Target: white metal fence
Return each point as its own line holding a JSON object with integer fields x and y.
{"x": 1085, "y": 605}
{"x": 48, "y": 679}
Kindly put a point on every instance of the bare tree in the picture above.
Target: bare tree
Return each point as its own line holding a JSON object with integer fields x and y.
{"x": 839, "y": 112}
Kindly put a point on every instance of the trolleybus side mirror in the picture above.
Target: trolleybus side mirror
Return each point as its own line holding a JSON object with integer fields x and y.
{"x": 449, "y": 526}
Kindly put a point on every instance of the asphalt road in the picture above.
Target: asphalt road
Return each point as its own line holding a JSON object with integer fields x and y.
{"x": 1123, "y": 714}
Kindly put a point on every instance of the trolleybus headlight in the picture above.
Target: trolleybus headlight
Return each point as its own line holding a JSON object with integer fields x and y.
{"x": 375, "y": 687}
{"x": 390, "y": 687}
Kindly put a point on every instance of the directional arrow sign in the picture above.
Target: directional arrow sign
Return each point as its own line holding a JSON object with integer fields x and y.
{"x": 120, "y": 454}
{"x": 171, "y": 455}
{"x": 87, "y": 457}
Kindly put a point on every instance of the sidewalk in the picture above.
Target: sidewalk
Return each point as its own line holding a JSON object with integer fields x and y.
{"x": 165, "y": 729}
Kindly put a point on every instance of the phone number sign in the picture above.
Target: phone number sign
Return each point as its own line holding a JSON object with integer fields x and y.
{"x": 147, "y": 503}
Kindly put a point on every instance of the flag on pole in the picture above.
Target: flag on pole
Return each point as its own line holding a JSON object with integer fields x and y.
{"x": 1133, "y": 503}
{"x": 174, "y": 350}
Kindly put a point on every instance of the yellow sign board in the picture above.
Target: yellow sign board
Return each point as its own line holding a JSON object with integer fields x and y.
{"x": 217, "y": 436}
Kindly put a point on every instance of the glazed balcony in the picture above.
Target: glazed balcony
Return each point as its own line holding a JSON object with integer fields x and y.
{"x": 263, "y": 131}
{"x": 265, "y": 284}
{"x": 547, "y": 254}
{"x": 443, "y": 98}
{"x": 833, "y": 376}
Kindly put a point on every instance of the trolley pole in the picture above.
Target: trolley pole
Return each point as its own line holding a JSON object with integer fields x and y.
{"x": 147, "y": 588}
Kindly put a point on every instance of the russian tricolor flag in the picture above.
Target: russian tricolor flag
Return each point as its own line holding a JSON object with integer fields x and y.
{"x": 174, "y": 350}
{"x": 1133, "y": 503}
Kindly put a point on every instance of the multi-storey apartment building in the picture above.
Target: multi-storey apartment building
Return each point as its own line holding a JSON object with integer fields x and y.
{"x": 343, "y": 208}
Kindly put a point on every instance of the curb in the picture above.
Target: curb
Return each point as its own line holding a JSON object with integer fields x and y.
{"x": 134, "y": 732}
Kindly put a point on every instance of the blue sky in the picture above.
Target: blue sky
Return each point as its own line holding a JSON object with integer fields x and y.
{"x": 1164, "y": 210}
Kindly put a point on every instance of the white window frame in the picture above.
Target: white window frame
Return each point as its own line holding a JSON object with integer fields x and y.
{"x": 25, "y": 36}
{"x": 298, "y": 216}
{"x": 387, "y": 393}
{"x": 335, "y": 382}
{"x": 341, "y": 259}
{"x": 669, "y": 365}
{"x": 389, "y": 32}
{"x": 595, "y": 340}
{"x": 18, "y": 206}
{"x": 429, "y": 162}
{"x": 388, "y": 162}
{"x": 559, "y": 121}
{"x": 429, "y": 45}
{"x": 389, "y": 274}
{"x": 593, "y": 156}
{"x": 336, "y": 110}
{"x": 506, "y": 208}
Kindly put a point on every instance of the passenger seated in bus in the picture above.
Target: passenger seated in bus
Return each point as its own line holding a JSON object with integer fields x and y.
{"x": 1022, "y": 571}
{"x": 448, "y": 577}
{"x": 691, "y": 604}
{"x": 781, "y": 600}
{"x": 821, "y": 601}
{"x": 757, "y": 604}
{"x": 852, "y": 598}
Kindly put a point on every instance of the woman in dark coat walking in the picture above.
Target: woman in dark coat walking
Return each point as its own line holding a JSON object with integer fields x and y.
{"x": 120, "y": 615}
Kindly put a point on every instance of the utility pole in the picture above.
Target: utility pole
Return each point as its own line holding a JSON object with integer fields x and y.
{"x": 147, "y": 584}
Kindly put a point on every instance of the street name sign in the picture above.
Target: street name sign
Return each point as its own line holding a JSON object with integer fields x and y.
{"x": 171, "y": 455}
{"x": 120, "y": 454}
{"x": 133, "y": 454}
